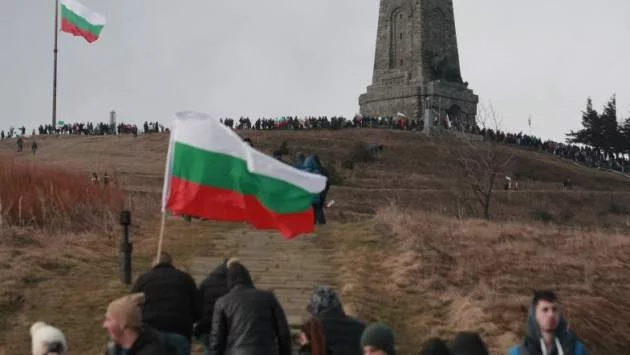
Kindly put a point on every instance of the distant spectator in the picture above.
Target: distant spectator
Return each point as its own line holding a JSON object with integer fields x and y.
{"x": 171, "y": 305}
{"x": 94, "y": 179}
{"x": 34, "y": 147}
{"x": 547, "y": 331}
{"x": 248, "y": 321}
{"x": 342, "y": 332}
{"x": 378, "y": 339}
{"x": 20, "y": 143}
{"x": 105, "y": 179}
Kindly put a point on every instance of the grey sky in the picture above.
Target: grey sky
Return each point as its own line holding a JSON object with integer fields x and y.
{"x": 246, "y": 57}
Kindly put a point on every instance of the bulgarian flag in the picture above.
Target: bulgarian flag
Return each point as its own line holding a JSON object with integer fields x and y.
{"x": 80, "y": 21}
{"x": 212, "y": 173}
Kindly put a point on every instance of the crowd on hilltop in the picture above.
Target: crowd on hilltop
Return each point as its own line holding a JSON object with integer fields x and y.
{"x": 228, "y": 315}
{"x": 584, "y": 155}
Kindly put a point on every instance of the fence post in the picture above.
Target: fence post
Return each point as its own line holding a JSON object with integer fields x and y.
{"x": 126, "y": 248}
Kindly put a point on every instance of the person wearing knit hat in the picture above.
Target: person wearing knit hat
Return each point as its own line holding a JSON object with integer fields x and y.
{"x": 468, "y": 343}
{"x": 435, "y": 346}
{"x": 123, "y": 321}
{"x": 378, "y": 339}
{"x": 342, "y": 332}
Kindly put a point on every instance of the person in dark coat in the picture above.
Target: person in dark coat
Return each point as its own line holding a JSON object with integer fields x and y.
{"x": 248, "y": 321}
{"x": 213, "y": 287}
{"x": 171, "y": 305}
{"x": 128, "y": 336}
{"x": 468, "y": 343}
{"x": 547, "y": 330}
{"x": 342, "y": 332}
{"x": 435, "y": 346}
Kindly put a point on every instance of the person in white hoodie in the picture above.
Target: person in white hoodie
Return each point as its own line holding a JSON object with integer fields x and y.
{"x": 47, "y": 340}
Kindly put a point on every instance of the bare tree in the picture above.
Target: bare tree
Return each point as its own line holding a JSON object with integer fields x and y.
{"x": 482, "y": 162}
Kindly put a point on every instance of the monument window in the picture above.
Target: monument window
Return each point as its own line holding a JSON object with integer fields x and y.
{"x": 397, "y": 45}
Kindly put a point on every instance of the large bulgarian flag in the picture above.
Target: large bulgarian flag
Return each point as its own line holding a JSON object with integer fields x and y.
{"x": 80, "y": 21}
{"x": 212, "y": 173}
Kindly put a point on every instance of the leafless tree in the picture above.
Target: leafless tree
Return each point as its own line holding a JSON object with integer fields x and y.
{"x": 482, "y": 162}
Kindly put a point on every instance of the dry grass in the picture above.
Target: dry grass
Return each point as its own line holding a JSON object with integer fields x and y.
{"x": 447, "y": 273}
{"x": 53, "y": 199}
{"x": 432, "y": 276}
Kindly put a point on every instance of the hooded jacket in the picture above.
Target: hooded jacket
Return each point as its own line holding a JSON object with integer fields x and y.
{"x": 532, "y": 343}
{"x": 342, "y": 332}
{"x": 248, "y": 321}
{"x": 213, "y": 287}
{"x": 312, "y": 166}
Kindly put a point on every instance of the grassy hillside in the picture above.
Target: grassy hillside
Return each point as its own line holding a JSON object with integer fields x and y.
{"x": 407, "y": 217}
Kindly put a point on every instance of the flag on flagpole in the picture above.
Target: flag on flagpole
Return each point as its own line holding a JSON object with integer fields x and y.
{"x": 212, "y": 174}
{"x": 79, "y": 20}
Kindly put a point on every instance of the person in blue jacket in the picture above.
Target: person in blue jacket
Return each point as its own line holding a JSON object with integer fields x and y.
{"x": 312, "y": 165}
{"x": 547, "y": 330}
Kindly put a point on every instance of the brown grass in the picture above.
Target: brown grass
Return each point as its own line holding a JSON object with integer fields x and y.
{"x": 421, "y": 265}
{"x": 53, "y": 199}
{"x": 432, "y": 276}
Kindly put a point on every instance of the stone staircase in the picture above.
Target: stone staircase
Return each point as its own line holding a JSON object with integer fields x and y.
{"x": 292, "y": 269}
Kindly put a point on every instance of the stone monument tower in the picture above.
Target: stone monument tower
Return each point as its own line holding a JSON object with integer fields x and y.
{"x": 416, "y": 65}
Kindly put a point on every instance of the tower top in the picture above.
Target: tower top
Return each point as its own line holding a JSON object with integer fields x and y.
{"x": 416, "y": 57}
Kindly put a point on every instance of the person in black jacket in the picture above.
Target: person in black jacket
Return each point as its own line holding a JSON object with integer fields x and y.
{"x": 213, "y": 287}
{"x": 171, "y": 305}
{"x": 248, "y": 321}
{"x": 342, "y": 332}
{"x": 123, "y": 321}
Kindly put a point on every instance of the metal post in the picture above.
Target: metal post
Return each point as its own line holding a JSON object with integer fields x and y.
{"x": 54, "y": 103}
{"x": 126, "y": 248}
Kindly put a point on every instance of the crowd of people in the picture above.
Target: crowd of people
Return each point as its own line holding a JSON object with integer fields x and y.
{"x": 586, "y": 156}
{"x": 228, "y": 315}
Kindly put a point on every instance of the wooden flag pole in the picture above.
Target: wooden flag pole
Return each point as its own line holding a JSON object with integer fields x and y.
{"x": 160, "y": 241}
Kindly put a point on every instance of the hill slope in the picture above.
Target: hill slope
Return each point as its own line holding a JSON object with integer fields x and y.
{"x": 400, "y": 250}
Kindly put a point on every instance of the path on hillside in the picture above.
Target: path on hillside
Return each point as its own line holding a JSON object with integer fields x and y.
{"x": 292, "y": 269}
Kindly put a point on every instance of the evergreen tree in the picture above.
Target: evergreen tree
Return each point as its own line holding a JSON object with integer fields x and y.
{"x": 611, "y": 133}
{"x": 591, "y": 133}
{"x": 625, "y": 136}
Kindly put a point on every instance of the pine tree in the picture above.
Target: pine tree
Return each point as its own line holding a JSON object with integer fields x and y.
{"x": 625, "y": 136}
{"x": 591, "y": 133}
{"x": 611, "y": 132}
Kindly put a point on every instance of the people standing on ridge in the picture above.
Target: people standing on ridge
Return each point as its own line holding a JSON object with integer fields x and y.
{"x": 342, "y": 332}
{"x": 378, "y": 339}
{"x": 248, "y": 321}
{"x": 213, "y": 287}
{"x": 123, "y": 322}
{"x": 171, "y": 305}
{"x": 547, "y": 331}
{"x": 312, "y": 339}
{"x": 313, "y": 165}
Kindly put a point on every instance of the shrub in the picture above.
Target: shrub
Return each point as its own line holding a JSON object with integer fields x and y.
{"x": 54, "y": 199}
{"x": 360, "y": 153}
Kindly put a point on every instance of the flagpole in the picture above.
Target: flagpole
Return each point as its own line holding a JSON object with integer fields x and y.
{"x": 54, "y": 103}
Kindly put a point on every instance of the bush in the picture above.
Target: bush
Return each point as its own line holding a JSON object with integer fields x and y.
{"x": 543, "y": 215}
{"x": 360, "y": 154}
{"x": 50, "y": 198}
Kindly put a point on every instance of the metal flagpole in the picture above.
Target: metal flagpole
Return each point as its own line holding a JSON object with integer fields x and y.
{"x": 54, "y": 104}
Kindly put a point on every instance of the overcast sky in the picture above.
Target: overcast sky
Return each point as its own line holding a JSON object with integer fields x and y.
{"x": 245, "y": 57}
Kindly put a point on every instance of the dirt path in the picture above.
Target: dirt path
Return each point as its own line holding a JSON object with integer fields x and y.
{"x": 292, "y": 269}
